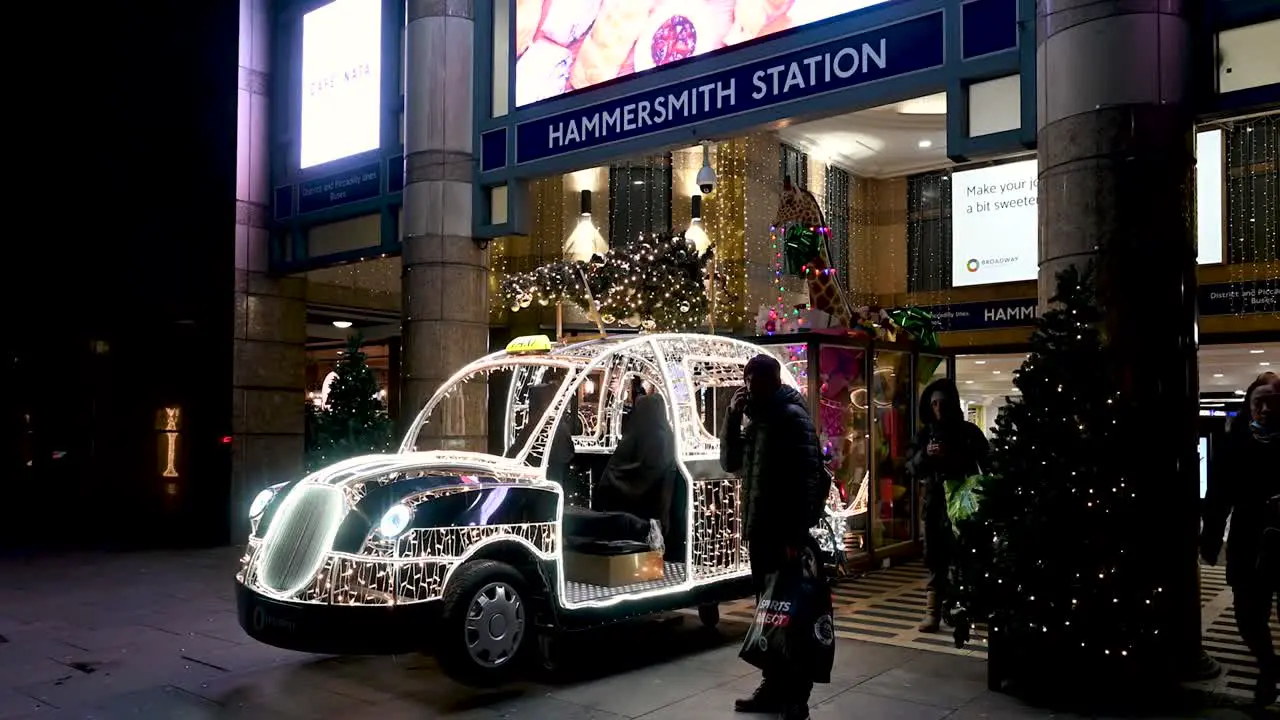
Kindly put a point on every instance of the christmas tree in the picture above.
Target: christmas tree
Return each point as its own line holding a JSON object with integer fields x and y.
{"x": 353, "y": 420}
{"x": 656, "y": 283}
{"x": 1047, "y": 559}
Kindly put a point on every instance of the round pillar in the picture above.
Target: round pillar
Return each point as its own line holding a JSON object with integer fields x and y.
{"x": 445, "y": 274}
{"x": 1116, "y": 155}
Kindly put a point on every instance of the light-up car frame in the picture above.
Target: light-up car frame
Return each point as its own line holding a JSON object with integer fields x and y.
{"x": 392, "y": 553}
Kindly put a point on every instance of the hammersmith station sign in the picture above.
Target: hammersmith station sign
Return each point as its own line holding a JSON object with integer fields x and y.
{"x": 901, "y": 48}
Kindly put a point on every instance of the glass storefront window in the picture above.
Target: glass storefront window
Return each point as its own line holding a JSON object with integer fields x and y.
{"x": 889, "y": 402}
{"x": 986, "y": 384}
{"x": 501, "y": 85}
{"x": 841, "y": 422}
{"x": 321, "y": 364}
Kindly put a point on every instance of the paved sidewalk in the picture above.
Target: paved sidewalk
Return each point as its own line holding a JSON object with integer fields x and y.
{"x": 153, "y": 636}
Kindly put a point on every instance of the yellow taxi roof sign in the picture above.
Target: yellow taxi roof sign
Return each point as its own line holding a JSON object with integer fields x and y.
{"x": 530, "y": 344}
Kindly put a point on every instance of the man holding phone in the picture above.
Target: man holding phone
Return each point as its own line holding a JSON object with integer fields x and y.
{"x": 778, "y": 456}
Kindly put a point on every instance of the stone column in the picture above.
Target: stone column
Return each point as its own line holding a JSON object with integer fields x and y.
{"x": 1116, "y": 157}
{"x": 270, "y": 327}
{"x": 445, "y": 306}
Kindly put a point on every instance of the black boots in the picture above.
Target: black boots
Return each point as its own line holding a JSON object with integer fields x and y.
{"x": 766, "y": 699}
{"x": 1264, "y": 693}
{"x": 795, "y": 711}
{"x": 770, "y": 699}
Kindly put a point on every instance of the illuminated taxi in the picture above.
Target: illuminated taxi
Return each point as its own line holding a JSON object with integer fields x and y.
{"x": 463, "y": 553}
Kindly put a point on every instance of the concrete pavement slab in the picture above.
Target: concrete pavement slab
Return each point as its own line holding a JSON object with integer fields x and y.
{"x": 15, "y": 704}
{"x": 857, "y": 704}
{"x": 714, "y": 704}
{"x": 154, "y": 635}
{"x": 904, "y": 684}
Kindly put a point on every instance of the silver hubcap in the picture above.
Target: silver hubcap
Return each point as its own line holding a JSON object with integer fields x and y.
{"x": 495, "y": 625}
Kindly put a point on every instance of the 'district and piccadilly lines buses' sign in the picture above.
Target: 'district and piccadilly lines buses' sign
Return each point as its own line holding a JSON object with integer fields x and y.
{"x": 904, "y": 47}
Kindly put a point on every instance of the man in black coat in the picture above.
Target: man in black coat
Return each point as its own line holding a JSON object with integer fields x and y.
{"x": 778, "y": 457}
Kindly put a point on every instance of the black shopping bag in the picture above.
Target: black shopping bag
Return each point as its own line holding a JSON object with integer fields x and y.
{"x": 793, "y": 630}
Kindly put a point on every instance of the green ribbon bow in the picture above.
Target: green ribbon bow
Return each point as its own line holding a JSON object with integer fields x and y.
{"x": 801, "y": 245}
{"x": 919, "y": 324}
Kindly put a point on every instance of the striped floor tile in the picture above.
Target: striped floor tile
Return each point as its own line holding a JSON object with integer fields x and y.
{"x": 884, "y": 607}
{"x": 1222, "y": 641}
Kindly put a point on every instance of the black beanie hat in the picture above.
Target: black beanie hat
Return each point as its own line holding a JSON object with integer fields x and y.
{"x": 766, "y": 365}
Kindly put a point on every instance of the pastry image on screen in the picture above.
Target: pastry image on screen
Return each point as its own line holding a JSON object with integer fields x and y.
{"x": 565, "y": 45}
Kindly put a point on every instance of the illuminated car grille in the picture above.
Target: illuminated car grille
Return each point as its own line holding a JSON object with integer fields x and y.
{"x": 299, "y": 537}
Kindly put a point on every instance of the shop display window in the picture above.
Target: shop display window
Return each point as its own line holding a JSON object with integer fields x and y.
{"x": 890, "y": 401}
{"x": 862, "y": 397}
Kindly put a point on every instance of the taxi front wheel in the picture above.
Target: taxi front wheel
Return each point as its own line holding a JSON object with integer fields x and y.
{"x": 484, "y": 624}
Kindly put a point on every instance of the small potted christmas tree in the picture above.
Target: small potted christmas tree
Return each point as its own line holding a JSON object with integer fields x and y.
{"x": 353, "y": 420}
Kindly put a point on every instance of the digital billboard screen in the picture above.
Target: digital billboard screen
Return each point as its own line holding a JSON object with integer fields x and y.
{"x": 994, "y": 224}
{"x": 565, "y": 45}
{"x": 341, "y": 81}
{"x": 995, "y": 218}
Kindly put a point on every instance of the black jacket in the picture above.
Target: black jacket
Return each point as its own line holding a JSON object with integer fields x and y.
{"x": 778, "y": 456}
{"x": 967, "y": 452}
{"x": 640, "y": 477}
{"x": 1241, "y": 486}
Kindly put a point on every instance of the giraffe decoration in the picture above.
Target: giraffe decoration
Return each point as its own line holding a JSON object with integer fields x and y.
{"x": 800, "y": 208}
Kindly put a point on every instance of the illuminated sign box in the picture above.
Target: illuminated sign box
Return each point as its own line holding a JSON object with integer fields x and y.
{"x": 860, "y": 58}
{"x": 341, "y": 81}
{"x": 993, "y": 224}
{"x": 566, "y": 45}
{"x": 995, "y": 216}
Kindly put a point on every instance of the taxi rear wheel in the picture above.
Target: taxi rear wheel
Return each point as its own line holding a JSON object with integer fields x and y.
{"x": 484, "y": 632}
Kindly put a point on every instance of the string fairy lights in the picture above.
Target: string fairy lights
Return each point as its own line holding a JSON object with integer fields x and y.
{"x": 415, "y": 565}
{"x": 656, "y": 283}
{"x": 1253, "y": 207}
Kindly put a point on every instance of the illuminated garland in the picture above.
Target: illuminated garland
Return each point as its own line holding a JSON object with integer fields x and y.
{"x": 657, "y": 283}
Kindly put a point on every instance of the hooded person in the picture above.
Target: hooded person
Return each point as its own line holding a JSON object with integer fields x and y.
{"x": 778, "y": 456}
{"x": 639, "y": 478}
{"x": 947, "y": 447}
{"x": 1242, "y": 488}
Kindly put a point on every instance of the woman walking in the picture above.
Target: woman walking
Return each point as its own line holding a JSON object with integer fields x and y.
{"x": 1245, "y": 485}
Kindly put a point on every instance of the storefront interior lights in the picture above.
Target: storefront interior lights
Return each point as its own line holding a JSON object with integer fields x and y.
{"x": 585, "y": 240}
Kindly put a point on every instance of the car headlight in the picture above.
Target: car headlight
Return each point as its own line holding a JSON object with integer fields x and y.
{"x": 260, "y": 502}
{"x": 394, "y": 521}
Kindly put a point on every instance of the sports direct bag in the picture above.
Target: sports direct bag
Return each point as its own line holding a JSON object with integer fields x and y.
{"x": 793, "y": 626}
